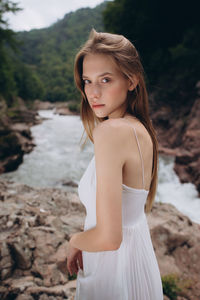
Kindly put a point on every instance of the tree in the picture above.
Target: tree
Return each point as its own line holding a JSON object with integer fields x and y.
{"x": 5, "y": 7}
{"x": 7, "y": 42}
{"x": 166, "y": 34}
{"x": 28, "y": 85}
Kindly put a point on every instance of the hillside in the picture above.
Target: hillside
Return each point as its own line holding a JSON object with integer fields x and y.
{"x": 50, "y": 51}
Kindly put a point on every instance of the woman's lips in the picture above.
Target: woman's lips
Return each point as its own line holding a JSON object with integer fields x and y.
{"x": 97, "y": 105}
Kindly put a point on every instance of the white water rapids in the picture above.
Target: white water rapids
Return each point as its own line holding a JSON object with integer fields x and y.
{"x": 58, "y": 158}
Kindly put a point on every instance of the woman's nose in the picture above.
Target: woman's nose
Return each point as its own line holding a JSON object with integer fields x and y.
{"x": 95, "y": 91}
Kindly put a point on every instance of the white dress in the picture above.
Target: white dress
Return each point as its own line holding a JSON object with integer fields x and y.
{"x": 130, "y": 272}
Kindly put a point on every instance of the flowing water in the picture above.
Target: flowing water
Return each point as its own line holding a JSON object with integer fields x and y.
{"x": 58, "y": 159}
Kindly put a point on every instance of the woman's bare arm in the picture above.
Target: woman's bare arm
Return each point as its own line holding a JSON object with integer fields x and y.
{"x": 109, "y": 146}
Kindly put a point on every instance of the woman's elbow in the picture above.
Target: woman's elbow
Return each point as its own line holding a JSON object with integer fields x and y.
{"x": 113, "y": 245}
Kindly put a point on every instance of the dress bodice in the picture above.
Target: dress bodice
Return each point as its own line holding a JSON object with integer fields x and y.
{"x": 133, "y": 200}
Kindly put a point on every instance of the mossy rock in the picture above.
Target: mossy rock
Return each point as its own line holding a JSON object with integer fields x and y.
{"x": 21, "y": 116}
{"x": 13, "y": 114}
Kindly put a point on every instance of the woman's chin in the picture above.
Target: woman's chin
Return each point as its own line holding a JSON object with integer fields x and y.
{"x": 100, "y": 114}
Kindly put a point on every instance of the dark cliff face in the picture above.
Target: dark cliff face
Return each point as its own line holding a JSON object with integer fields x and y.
{"x": 15, "y": 134}
{"x": 187, "y": 163}
{"x": 178, "y": 134}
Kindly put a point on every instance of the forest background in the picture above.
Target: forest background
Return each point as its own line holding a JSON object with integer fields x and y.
{"x": 38, "y": 64}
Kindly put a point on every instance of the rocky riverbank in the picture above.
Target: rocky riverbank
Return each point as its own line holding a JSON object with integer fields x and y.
{"x": 35, "y": 228}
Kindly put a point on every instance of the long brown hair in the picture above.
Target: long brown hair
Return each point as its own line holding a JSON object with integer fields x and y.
{"x": 128, "y": 61}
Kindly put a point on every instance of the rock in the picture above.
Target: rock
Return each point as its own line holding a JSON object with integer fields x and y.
{"x": 70, "y": 183}
{"x": 187, "y": 164}
{"x": 178, "y": 135}
{"x": 63, "y": 111}
{"x": 44, "y": 297}
{"x": 15, "y": 135}
{"x": 24, "y": 297}
{"x": 60, "y": 257}
{"x": 6, "y": 262}
{"x": 59, "y": 292}
{"x": 23, "y": 129}
{"x": 43, "y": 105}
{"x": 20, "y": 251}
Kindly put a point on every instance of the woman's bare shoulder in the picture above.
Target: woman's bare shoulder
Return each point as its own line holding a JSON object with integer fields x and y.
{"x": 111, "y": 128}
{"x": 141, "y": 130}
{"x": 111, "y": 141}
{"x": 143, "y": 134}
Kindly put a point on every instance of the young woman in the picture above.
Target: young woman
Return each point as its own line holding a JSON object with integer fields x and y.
{"x": 113, "y": 257}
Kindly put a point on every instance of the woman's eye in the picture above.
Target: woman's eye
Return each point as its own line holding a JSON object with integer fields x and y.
{"x": 104, "y": 80}
{"x": 86, "y": 81}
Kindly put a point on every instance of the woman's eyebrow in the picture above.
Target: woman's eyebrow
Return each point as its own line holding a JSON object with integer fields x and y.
{"x": 103, "y": 74}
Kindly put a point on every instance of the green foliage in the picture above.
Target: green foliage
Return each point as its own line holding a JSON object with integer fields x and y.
{"x": 7, "y": 82}
{"x": 170, "y": 286}
{"x": 52, "y": 51}
{"x": 167, "y": 37}
{"x": 75, "y": 107}
{"x": 72, "y": 277}
{"x": 29, "y": 86}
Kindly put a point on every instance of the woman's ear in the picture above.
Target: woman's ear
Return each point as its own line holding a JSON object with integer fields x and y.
{"x": 133, "y": 82}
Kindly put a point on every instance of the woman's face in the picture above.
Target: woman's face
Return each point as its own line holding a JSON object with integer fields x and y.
{"x": 105, "y": 86}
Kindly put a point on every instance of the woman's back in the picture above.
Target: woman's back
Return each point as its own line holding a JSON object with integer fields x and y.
{"x": 137, "y": 168}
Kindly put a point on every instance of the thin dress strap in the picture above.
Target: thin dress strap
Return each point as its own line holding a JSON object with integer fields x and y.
{"x": 140, "y": 157}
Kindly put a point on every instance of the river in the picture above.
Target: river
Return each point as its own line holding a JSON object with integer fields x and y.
{"x": 58, "y": 159}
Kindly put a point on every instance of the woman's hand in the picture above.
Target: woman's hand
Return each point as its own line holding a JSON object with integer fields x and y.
{"x": 74, "y": 259}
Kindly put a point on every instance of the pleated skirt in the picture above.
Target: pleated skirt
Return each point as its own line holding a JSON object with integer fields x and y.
{"x": 128, "y": 273}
